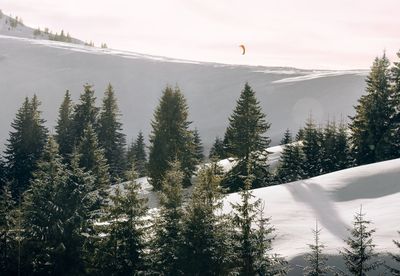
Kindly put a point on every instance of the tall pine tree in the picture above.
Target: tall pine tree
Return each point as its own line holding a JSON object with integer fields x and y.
{"x": 64, "y": 133}
{"x": 122, "y": 249}
{"x": 170, "y": 138}
{"x": 55, "y": 216}
{"x": 247, "y": 126}
{"x": 245, "y": 139}
{"x": 85, "y": 113}
{"x": 168, "y": 240}
{"x": 371, "y": 138}
{"x": 207, "y": 246}
{"x": 25, "y": 145}
{"x": 90, "y": 157}
{"x": 110, "y": 135}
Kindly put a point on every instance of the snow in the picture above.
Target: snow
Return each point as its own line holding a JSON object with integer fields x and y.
{"x": 321, "y": 74}
{"x": 48, "y": 68}
{"x": 333, "y": 199}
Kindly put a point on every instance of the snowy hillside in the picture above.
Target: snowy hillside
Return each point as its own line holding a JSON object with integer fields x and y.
{"x": 23, "y": 31}
{"x": 333, "y": 199}
{"x": 48, "y": 68}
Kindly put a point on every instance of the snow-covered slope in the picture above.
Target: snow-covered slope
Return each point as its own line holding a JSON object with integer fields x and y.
{"x": 23, "y": 31}
{"x": 48, "y": 68}
{"x": 333, "y": 199}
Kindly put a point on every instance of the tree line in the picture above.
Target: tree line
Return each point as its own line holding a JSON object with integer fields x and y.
{"x": 59, "y": 215}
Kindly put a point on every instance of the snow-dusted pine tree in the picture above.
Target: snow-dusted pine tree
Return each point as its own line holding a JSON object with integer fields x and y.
{"x": 316, "y": 260}
{"x": 360, "y": 256}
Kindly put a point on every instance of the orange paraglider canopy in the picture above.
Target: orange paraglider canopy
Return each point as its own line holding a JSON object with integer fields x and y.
{"x": 243, "y": 49}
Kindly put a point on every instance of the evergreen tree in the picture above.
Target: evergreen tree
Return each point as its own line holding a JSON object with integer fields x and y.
{"x": 207, "y": 244}
{"x": 247, "y": 126}
{"x": 217, "y": 150}
{"x": 170, "y": 138}
{"x": 25, "y": 145}
{"x": 259, "y": 168}
{"x": 360, "y": 256}
{"x": 137, "y": 155}
{"x": 342, "y": 154}
{"x": 287, "y": 137}
{"x": 110, "y": 136}
{"x": 396, "y": 258}
{"x": 198, "y": 146}
{"x": 64, "y": 134}
{"x": 316, "y": 260}
{"x": 312, "y": 149}
{"x": 91, "y": 158}
{"x": 328, "y": 148}
{"x": 8, "y": 237}
{"x": 56, "y": 213}
{"x": 244, "y": 139}
{"x": 395, "y": 102}
{"x": 300, "y": 134}
{"x": 371, "y": 137}
{"x": 122, "y": 250}
{"x": 253, "y": 245}
{"x": 291, "y": 164}
{"x": 167, "y": 245}
{"x": 85, "y": 113}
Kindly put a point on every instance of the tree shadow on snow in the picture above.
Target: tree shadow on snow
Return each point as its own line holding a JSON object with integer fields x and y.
{"x": 317, "y": 198}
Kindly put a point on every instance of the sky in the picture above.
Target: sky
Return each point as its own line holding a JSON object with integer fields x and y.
{"x": 313, "y": 34}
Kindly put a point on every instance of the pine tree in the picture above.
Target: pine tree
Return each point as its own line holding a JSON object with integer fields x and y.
{"x": 247, "y": 126}
{"x": 137, "y": 156}
{"x": 207, "y": 244}
{"x": 58, "y": 200}
{"x": 110, "y": 135}
{"x": 91, "y": 158}
{"x": 198, "y": 146}
{"x": 170, "y": 138}
{"x": 217, "y": 150}
{"x": 85, "y": 113}
{"x": 328, "y": 148}
{"x": 396, "y": 258}
{"x": 64, "y": 134}
{"x": 122, "y": 250}
{"x": 371, "y": 137}
{"x": 342, "y": 154}
{"x": 167, "y": 245}
{"x": 316, "y": 260}
{"x": 8, "y": 237}
{"x": 245, "y": 140}
{"x": 287, "y": 137}
{"x": 291, "y": 164}
{"x": 253, "y": 245}
{"x": 360, "y": 256}
{"x": 312, "y": 149}
{"x": 395, "y": 102}
{"x": 25, "y": 145}
{"x": 259, "y": 168}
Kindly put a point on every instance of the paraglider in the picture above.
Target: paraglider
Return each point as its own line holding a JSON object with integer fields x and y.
{"x": 243, "y": 49}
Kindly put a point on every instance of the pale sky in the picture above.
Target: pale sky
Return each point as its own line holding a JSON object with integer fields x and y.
{"x": 319, "y": 34}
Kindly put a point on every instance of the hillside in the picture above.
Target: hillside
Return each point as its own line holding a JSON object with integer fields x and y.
{"x": 333, "y": 199}
{"x": 48, "y": 68}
